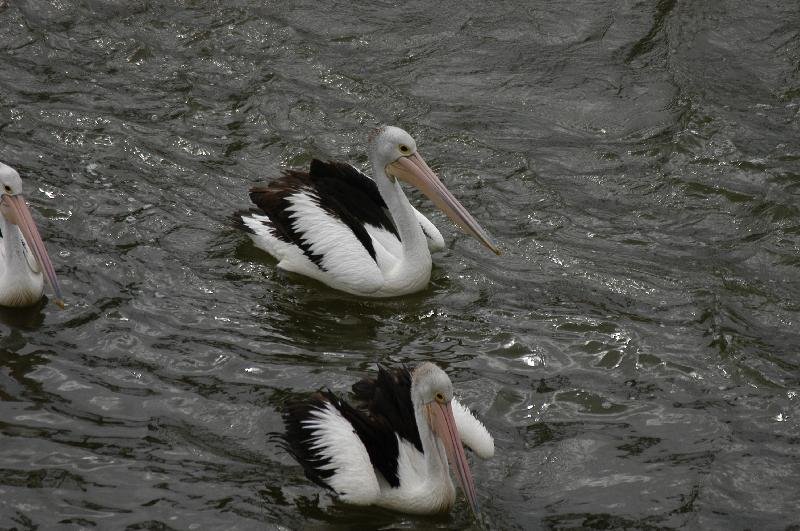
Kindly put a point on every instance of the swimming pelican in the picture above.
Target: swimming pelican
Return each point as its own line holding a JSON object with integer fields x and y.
{"x": 23, "y": 257}
{"x": 338, "y": 226}
{"x": 394, "y": 451}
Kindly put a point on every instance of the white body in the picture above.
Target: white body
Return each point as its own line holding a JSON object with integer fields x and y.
{"x": 400, "y": 266}
{"x": 425, "y": 484}
{"x": 21, "y": 279}
{"x": 24, "y": 262}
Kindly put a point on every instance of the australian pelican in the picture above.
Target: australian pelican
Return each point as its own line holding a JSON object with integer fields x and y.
{"x": 24, "y": 262}
{"x": 353, "y": 233}
{"x": 394, "y": 450}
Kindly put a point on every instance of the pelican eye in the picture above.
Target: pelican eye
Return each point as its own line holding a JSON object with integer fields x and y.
{"x": 404, "y": 149}
{"x": 7, "y": 188}
{"x": 440, "y": 398}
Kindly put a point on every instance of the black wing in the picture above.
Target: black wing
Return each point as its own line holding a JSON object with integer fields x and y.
{"x": 388, "y": 397}
{"x": 339, "y": 189}
{"x": 342, "y": 187}
{"x": 298, "y": 438}
{"x": 378, "y": 438}
{"x": 387, "y": 413}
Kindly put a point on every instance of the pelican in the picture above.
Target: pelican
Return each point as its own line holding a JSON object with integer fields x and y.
{"x": 355, "y": 234}
{"x": 24, "y": 262}
{"x": 395, "y": 449}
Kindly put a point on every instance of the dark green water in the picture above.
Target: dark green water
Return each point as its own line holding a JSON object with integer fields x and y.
{"x": 634, "y": 351}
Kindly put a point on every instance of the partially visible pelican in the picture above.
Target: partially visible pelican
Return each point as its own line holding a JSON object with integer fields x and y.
{"x": 394, "y": 450}
{"x": 355, "y": 234}
{"x": 24, "y": 262}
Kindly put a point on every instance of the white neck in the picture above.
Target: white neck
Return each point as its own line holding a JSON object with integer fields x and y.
{"x": 13, "y": 252}
{"x": 435, "y": 456}
{"x": 415, "y": 246}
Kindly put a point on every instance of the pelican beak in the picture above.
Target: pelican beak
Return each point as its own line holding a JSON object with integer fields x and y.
{"x": 413, "y": 170}
{"x": 444, "y": 426}
{"x": 16, "y": 211}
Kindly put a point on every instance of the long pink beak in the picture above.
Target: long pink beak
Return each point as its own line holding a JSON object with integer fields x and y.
{"x": 16, "y": 211}
{"x": 444, "y": 425}
{"x": 415, "y": 171}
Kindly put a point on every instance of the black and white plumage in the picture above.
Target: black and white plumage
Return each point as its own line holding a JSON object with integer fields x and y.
{"x": 24, "y": 262}
{"x": 356, "y": 234}
{"x": 393, "y": 450}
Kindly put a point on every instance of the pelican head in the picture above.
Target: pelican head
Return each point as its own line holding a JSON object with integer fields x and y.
{"x": 15, "y": 211}
{"x": 395, "y": 151}
{"x": 432, "y": 394}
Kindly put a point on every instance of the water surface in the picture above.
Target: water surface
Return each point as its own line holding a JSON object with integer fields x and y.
{"x": 634, "y": 351}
